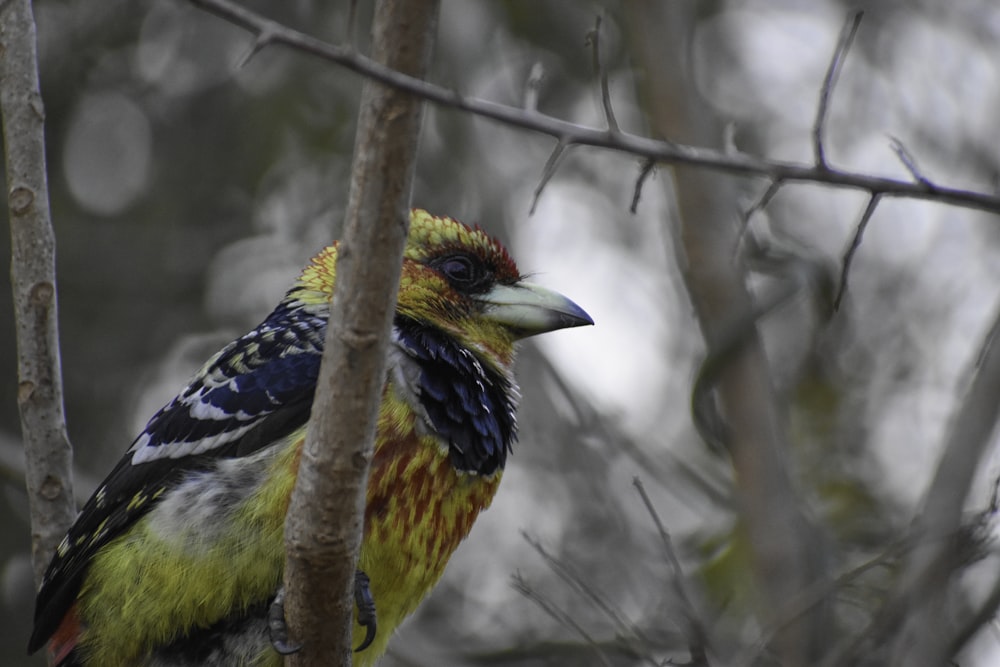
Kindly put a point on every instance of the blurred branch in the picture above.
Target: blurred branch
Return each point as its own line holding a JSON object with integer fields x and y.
{"x": 560, "y": 616}
{"x": 324, "y": 521}
{"x": 694, "y": 630}
{"x": 787, "y": 547}
{"x": 269, "y": 32}
{"x": 922, "y": 588}
{"x": 33, "y": 277}
{"x": 579, "y": 584}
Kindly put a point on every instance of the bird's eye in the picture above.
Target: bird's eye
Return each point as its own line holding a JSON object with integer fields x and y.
{"x": 464, "y": 272}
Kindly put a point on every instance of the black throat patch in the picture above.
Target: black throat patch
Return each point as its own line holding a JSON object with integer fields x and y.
{"x": 469, "y": 405}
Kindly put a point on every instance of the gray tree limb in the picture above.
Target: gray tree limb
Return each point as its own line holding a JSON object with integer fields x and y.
{"x": 39, "y": 392}
{"x": 567, "y": 134}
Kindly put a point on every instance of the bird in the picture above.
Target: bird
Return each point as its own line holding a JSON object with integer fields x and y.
{"x": 177, "y": 558}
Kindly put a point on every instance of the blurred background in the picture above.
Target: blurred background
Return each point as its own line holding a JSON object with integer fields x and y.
{"x": 187, "y": 193}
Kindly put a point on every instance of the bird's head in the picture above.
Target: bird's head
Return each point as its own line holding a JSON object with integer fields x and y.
{"x": 462, "y": 282}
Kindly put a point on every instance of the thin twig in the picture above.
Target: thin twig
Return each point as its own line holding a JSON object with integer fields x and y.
{"x": 575, "y": 134}
{"x": 645, "y": 170}
{"x": 820, "y": 591}
{"x": 759, "y": 205}
{"x": 262, "y": 39}
{"x": 909, "y": 161}
{"x": 696, "y": 635}
{"x": 577, "y": 583}
{"x": 560, "y": 616}
{"x": 847, "y": 34}
{"x": 594, "y": 38}
{"x": 551, "y": 165}
{"x": 859, "y": 233}
{"x": 924, "y": 583}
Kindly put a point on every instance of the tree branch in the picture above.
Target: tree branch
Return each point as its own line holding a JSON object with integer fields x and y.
{"x": 923, "y": 585}
{"x": 786, "y": 546}
{"x": 33, "y": 276}
{"x": 324, "y": 525}
{"x": 574, "y": 134}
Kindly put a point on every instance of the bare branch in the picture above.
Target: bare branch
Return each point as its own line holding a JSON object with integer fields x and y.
{"x": 847, "y": 34}
{"x": 695, "y": 631}
{"x": 594, "y": 38}
{"x": 859, "y": 233}
{"x": 759, "y": 205}
{"x": 986, "y": 612}
{"x": 551, "y": 165}
{"x": 922, "y": 587}
{"x": 263, "y": 39}
{"x": 560, "y": 616}
{"x": 33, "y": 278}
{"x": 574, "y": 134}
{"x": 644, "y": 172}
{"x": 580, "y": 585}
{"x": 762, "y": 201}
{"x": 324, "y": 520}
{"x": 821, "y": 591}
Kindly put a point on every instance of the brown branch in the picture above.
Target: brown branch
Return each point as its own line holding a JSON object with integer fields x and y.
{"x": 574, "y": 134}
{"x": 324, "y": 523}
{"x": 33, "y": 277}
{"x": 847, "y": 34}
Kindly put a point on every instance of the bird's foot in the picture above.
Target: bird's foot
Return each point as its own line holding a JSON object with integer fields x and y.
{"x": 366, "y": 608}
{"x": 277, "y": 628}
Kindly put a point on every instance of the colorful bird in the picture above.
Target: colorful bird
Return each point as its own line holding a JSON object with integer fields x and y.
{"x": 178, "y": 556}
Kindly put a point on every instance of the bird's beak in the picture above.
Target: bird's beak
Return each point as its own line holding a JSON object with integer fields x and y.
{"x": 528, "y": 309}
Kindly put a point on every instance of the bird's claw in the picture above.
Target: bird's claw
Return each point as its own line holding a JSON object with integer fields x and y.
{"x": 277, "y": 628}
{"x": 366, "y": 608}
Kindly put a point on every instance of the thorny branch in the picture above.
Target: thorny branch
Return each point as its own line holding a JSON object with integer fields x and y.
{"x": 269, "y": 32}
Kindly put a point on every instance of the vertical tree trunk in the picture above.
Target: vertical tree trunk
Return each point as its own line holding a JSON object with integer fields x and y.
{"x": 786, "y": 547}
{"x": 323, "y": 529}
